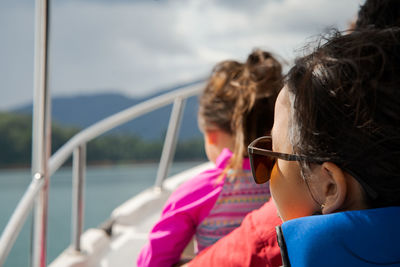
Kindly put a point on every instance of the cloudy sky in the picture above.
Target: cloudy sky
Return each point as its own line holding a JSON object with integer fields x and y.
{"x": 137, "y": 47}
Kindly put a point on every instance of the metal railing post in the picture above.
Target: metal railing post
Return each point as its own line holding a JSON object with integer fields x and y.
{"x": 78, "y": 198}
{"x": 170, "y": 141}
{"x": 41, "y": 134}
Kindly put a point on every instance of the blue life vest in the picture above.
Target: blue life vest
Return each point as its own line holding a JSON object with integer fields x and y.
{"x": 368, "y": 237}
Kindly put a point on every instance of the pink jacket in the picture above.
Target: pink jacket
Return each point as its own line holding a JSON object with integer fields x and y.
{"x": 186, "y": 208}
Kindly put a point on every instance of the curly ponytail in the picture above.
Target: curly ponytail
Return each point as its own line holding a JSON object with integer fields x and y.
{"x": 239, "y": 99}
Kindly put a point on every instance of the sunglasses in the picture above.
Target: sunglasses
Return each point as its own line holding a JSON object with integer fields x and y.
{"x": 262, "y": 158}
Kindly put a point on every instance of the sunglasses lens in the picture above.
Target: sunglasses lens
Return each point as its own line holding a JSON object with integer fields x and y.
{"x": 261, "y": 164}
{"x": 262, "y": 169}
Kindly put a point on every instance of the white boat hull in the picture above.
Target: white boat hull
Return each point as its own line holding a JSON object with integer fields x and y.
{"x": 132, "y": 222}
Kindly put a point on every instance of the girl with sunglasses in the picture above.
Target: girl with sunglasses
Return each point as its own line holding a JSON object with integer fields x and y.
{"x": 336, "y": 149}
{"x": 237, "y": 106}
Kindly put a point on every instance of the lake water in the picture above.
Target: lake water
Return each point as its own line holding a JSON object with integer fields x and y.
{"x": 106, "y": 188}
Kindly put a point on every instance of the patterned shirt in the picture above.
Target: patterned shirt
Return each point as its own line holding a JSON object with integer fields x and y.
{"x": 238, "y": 197}
{"x": 194, "y": 204}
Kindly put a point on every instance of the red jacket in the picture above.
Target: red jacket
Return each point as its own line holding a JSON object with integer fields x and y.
{"x": 254, "y": 243}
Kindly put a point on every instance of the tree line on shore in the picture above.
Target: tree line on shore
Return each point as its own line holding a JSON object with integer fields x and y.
{"x": 16, "y": 144}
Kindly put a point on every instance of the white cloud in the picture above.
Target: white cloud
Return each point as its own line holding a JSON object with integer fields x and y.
{"x": 136, "y": 47}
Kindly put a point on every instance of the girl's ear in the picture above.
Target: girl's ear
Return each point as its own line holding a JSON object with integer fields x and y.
{"x": 334, "y": 187}
{"x": 211, "y": 137}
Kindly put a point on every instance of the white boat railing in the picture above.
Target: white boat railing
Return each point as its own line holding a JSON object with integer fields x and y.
{"x": 43, "y": 166}
{"x": 76, "y": 146}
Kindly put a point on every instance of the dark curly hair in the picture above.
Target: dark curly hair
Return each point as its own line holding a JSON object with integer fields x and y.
{"x": 239, "y": 99}
{"x": 346, "y": 109}
{"x": 379, "y": 14}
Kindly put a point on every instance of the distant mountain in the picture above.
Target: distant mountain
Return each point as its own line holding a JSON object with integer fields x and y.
{"x": 84, "y": 110}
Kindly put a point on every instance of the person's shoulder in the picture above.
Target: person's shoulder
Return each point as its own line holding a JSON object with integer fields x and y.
{"x": 254, "y": 241}
{"x": 196, "y": 190}
{"x": 207, "y": 179}
{"x": 267, "y": 213}
{"x": 264, "y": 220}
